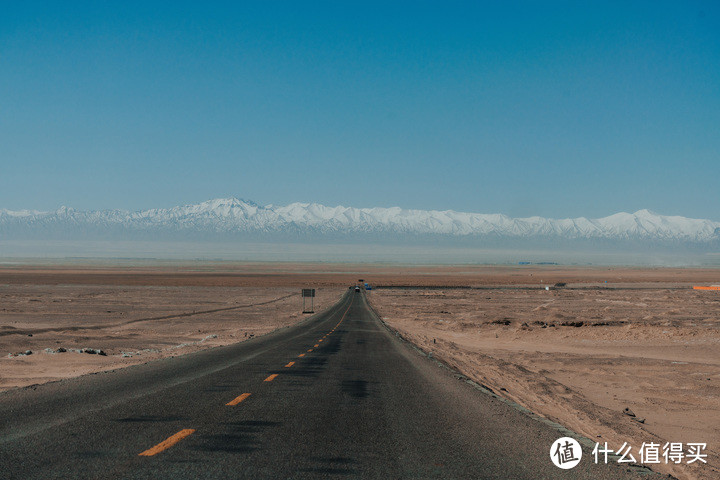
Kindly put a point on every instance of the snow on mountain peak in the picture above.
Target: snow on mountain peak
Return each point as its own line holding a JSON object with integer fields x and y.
{"x": 239, "y": 216}
{"x": 645, "y": 213}
{"x": 225, "y": 203}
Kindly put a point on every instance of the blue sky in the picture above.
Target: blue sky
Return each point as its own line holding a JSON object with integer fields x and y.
{"x": 558, "y": 109}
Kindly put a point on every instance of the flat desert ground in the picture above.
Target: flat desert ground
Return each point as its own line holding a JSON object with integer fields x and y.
{"x": 610, "y": 339}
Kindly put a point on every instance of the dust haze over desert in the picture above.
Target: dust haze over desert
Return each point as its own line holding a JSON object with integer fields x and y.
{"x": 524, "y": 196}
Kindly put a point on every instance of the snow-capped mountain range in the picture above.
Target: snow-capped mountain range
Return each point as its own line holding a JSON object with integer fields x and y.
{"x": 240, "y": 218}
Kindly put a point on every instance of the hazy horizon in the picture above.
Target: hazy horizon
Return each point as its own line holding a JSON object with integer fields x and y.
{"x": 133, "y": 253}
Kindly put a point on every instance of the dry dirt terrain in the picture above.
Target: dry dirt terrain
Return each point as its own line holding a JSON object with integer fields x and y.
{"x": 610, "y": 339}
{"x": 73, "y": 324}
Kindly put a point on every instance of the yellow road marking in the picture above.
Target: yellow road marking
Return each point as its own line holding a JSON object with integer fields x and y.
{"x": 290, "y": 364}
{"x": 301, "y": 355}
{"x": 238, "y": 399}
{"x": 320, "y": 340}
{"x": 316, "y": 345}
{"x": 164, "y": 445}
{"x": 271, "y": 377}
{"x": 310, "y": 350}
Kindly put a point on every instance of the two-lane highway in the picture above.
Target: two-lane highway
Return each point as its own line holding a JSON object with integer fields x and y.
{"x": 335, "y": 396}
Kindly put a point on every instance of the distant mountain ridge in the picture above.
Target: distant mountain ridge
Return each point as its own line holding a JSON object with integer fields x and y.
{"x": 237, "y": 218}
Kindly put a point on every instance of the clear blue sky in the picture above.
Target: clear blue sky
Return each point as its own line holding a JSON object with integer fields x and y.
{"x": 529, "y": 108}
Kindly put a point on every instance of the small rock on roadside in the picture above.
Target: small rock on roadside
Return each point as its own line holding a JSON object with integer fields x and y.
{"x": 93, "y": 351}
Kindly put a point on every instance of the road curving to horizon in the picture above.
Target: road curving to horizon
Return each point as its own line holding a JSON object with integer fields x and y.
{"x": 335, "y": 396}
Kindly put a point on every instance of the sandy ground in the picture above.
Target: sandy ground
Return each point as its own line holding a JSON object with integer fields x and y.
{"x": 130, "y": 324}
{"x": 581, "y": 356}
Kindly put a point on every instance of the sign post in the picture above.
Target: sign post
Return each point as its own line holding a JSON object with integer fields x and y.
{"x": 309, "y": 292}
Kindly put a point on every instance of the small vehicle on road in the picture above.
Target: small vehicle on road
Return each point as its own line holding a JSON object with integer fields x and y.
{"x": 357, "y": 289}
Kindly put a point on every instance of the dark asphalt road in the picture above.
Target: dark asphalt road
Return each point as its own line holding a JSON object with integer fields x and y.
{"x": 361, "y": 403}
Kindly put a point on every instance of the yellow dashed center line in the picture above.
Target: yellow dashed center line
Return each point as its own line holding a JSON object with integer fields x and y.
{"x": 170, "y": 441}
{"x": 164, "y": 445}
{"x": 238, "y": 399}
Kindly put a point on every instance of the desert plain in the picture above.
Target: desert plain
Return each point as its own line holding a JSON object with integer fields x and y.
{"x": 580, "y": 346}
